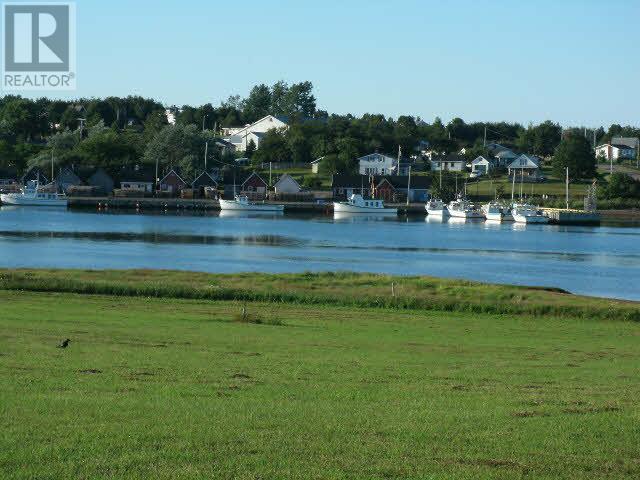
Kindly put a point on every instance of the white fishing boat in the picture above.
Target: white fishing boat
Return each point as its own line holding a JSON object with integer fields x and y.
{"x": 462, "y": 208}
{"x": 241, "y": 202}
{"x": 437, "y": 208}
{"x": 497, "y": 212}
{"x": 32, "y": 195}
{"x": 525, "y": 213}
{"x": 358, "y": 204}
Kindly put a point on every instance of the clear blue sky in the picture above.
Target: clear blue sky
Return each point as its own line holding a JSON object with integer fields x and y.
{"x": 573, "y": 61}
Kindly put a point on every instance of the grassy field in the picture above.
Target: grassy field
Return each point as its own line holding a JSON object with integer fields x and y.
{"x": 324, "y": 388}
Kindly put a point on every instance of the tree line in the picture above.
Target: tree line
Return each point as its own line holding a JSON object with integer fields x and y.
{"x": 117, "y": 132}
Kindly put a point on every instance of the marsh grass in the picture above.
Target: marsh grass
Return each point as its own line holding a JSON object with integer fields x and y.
{"x": 337, "y": 289}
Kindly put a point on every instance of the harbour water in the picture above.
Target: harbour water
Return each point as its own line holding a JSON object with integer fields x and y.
{"x": 599, "y": 261}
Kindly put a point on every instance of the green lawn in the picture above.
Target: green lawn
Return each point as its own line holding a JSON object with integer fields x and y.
{"x": 174, "y": 388}
{"x": 551, "y": 186}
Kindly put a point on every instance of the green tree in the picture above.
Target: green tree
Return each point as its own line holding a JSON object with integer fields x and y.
{"x": 621, "y": 185}
{"x": 273, "y": 148}
{"x": 445, "y": 190}
{"x": 251, "y": 148}
{"x": 575, "y": 153}
{"x": 258, "y": 104}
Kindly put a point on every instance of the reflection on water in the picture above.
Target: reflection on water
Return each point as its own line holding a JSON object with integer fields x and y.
{"x": 249, "y": 214}
{"x": 156, "y": 237}
{"x": 590, "y": 260}
{"x": 363, "y": 217}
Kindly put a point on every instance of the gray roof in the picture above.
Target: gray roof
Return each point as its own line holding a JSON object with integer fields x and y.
{"x": 630, "y": 142}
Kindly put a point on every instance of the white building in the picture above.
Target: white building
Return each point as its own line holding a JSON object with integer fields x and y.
{"x": 171, "y": 116}
{"x": 287, "y": 184}
{"x": 482, "y": 165}
{"x": 315, "y": 165}
{"x": 525, "y": 165}
{"x": 452, "y": 163}
{"x": 611, "y": 151}
{"x": 377, "y": 164}
{"x": 240, "y": 137}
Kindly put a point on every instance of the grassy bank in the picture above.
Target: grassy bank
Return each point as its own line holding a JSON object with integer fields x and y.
{"x": 170, "y": 388}
{"x": 337, "y": 289}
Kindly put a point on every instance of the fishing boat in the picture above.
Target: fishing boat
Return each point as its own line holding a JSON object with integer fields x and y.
{"x": 497, "y": 212}
{"x": 525, "y": 213}
{"x": 358, "y": 204}
{"x": 462, "y": 208}
{"x": 32, "y": 195}
{"x": 436, "y": 208}
{"x": 241, "y": 202}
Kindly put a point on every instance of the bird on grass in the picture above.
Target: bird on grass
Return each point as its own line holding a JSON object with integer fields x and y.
{"x": 64, "y": 344}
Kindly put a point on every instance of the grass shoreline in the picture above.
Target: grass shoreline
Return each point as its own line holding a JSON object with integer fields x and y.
{"x": 335, "y": 289}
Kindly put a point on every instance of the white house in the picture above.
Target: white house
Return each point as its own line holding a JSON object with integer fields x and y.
{"x": 315, "y": 165}
{"x": 287, "y": 184}
{"x": 377, "y": 164}
{"x": 526, "y": 165}
{"x": 482, "y": 165}
{"x": 610, "y": 151}
{"x": 452, "y": 162}
{"x": 171, "y": 116}
{"x": 241, "y": 136}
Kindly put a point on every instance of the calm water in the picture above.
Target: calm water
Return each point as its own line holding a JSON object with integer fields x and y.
{"x": 601, "y": 261}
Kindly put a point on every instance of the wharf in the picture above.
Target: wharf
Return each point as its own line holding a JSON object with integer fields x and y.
{"x": 561, "y": 216}
{"x": 126, "y": 203}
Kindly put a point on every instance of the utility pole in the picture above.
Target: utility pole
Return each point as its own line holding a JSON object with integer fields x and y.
{"x": 409, "y": 185}
{"x": 269, "y": 174}
{"x": 567, "y": 189}
{"x": 81, "y": 127}
{"x": 206, "y": 148}
{"x": 610, "y": 160}
{"x": 484, "y": 143}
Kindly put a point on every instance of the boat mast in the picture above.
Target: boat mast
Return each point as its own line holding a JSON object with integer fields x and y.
{"x": 521, "y": 181}
{"x": 513, "y": 185}
{"x": 52, "y": 164}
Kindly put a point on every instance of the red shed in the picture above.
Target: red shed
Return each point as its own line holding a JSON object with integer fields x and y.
{"x": 172, "y": 183}
{"x": 254, "y": 186}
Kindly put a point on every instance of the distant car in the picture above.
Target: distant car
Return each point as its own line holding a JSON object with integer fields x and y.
{"x": 475, "y": 174}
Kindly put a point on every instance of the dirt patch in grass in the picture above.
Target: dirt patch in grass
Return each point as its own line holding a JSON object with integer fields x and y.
{"x": 529, "y": 413}
{"x": 90, "y": 370}
{"x": 586, "y": 410}
{"x": 240, "y": 375}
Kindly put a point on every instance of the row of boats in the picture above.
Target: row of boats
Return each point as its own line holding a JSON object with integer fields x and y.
{"x": 459, "y": 208}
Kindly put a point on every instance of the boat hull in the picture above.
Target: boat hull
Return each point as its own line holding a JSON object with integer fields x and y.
{"x": 21, "y": 200}
{"x": 438, "y": 213}
{"x": 339, "y": 207}
{"x": 459, "y": 214}
{"x": 530, "y": 219}
{"x": 250, "y": 207}
{"x": 496, "y": 217}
